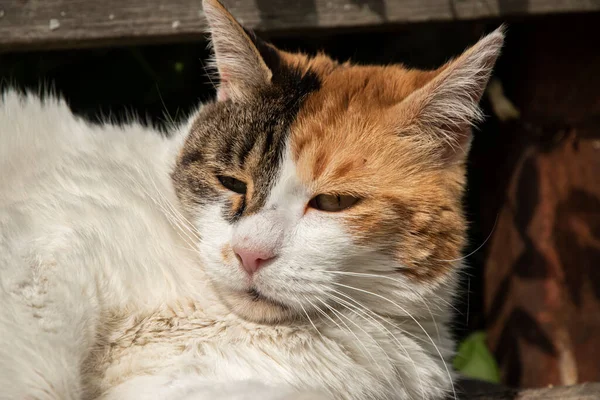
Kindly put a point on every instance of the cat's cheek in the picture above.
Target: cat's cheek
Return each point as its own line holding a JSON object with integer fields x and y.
{"x": 214, "y": 247}
{"x": 320, "y": 243}
{"x": 324, "y": 235}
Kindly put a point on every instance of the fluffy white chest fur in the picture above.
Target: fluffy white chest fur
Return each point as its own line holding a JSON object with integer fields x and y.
{"x": 103, "y": 297}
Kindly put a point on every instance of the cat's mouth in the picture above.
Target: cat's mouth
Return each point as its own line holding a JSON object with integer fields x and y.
{"x": 256, "y": 296}
{"x": 255, "y": 306}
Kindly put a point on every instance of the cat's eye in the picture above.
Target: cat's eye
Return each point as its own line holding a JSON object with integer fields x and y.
{"x": 235, "y": 185}
{"x": 332, "y": 202}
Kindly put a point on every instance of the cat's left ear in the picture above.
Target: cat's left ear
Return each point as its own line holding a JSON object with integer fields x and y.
{"x": 442, "y": 111}
{"x": 241, "y": 67}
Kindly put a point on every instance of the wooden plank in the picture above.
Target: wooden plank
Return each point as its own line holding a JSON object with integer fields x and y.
{"x": 589, "y": 391}
{"x": 586, "y": 391}
{"x": 27, "y": 24}
{"x": 542, "y": 290}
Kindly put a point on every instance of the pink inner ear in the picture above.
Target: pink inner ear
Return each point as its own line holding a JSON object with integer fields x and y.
{"x": 222, "y": 94}
{"x": 224, "y": 76}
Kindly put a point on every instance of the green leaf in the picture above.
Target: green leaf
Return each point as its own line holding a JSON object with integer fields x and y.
{"x": 475, "y": 360}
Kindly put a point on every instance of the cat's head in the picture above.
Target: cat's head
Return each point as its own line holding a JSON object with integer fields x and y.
{"x": 312, "y": 182}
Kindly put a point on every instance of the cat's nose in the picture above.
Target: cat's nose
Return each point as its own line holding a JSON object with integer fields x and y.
{"x": 252, "y": 260}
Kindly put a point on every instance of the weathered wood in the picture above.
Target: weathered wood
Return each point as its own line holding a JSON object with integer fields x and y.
{"x": 589, "y": 391}
{"x": 27, "y": 24}
{"x": 478, "y": 391}
{"x": 542, "y": 273}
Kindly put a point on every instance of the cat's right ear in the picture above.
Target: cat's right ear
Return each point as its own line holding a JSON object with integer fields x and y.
{"x": 443, "y": 110}
{"x": 241, "y": 68}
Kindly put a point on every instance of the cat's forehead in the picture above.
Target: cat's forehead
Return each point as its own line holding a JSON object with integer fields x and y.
{"x": 346, "y": 133}
{"x": 329, "y": 120}
{"x": 374, "y": 85}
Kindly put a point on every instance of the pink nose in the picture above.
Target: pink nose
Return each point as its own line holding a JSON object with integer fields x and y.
{"x": 252, "y": 260}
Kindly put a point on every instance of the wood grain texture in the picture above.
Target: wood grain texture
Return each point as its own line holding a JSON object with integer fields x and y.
{"x": 27, "y": 24}
{"x": 542, "y": 281}
{"x": 587, "y": 391}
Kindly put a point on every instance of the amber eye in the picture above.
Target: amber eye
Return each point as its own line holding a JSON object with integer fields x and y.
{"x": 232, "y": 184}
{"x": 332, "y": 202}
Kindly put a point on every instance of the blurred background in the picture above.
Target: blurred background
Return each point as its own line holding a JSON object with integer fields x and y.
{"x": 529, "y": 315}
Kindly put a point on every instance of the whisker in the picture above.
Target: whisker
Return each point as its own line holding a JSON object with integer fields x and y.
{"x": 437, "y": 329}
{"x": 184, "y": 236}
{"x": 167, "y": 203}
{"x": 415, "y": 320}
{"x": 339, "y": 315}
{"x": 365, "y": 313}
{"x": 361, "y": 310}
{"x": 175, "y": 218}
{"x": 365, "y": 352}
{"x": 311, "y": 322}
{"x": 177, "y": 224}
{"x": 405, "y": 332}
{"x": 175, "y": 213}
{"x": 362, "y": 274}
{"x": 192, "y": 250}
{"x": 170, "y": 119}
{"x": 480, "y": 246}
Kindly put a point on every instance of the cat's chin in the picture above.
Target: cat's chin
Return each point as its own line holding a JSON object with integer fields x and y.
{"x": 252, "y": 306}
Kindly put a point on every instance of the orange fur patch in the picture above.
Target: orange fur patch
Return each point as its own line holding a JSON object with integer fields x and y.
{"x": 347, "y": 139}
{"x": 227, "y": 253}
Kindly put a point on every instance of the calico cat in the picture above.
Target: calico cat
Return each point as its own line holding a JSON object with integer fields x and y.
{"x": 298, "y": 237}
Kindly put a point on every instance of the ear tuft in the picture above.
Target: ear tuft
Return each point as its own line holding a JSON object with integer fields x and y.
{"x": 446, "y": 107}
{"x": 240, "y": 66}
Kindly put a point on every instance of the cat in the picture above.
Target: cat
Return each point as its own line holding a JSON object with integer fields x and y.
{"x": 298, "y": 237}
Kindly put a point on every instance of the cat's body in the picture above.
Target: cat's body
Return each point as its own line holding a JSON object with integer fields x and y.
{"x": 215, "y": 262}
{"x": 79, "y": 200}
{"x": 155, "y": 313}
{"x": 80, "y": 237}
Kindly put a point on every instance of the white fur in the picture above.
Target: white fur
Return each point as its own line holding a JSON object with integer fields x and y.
{"x": 317, "y": 266}
{"x": 104, "y": 293}
{"x": 77, "y": 229}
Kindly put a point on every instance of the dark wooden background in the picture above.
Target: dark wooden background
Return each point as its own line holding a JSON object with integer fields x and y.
{"x": 27, "y": 24}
